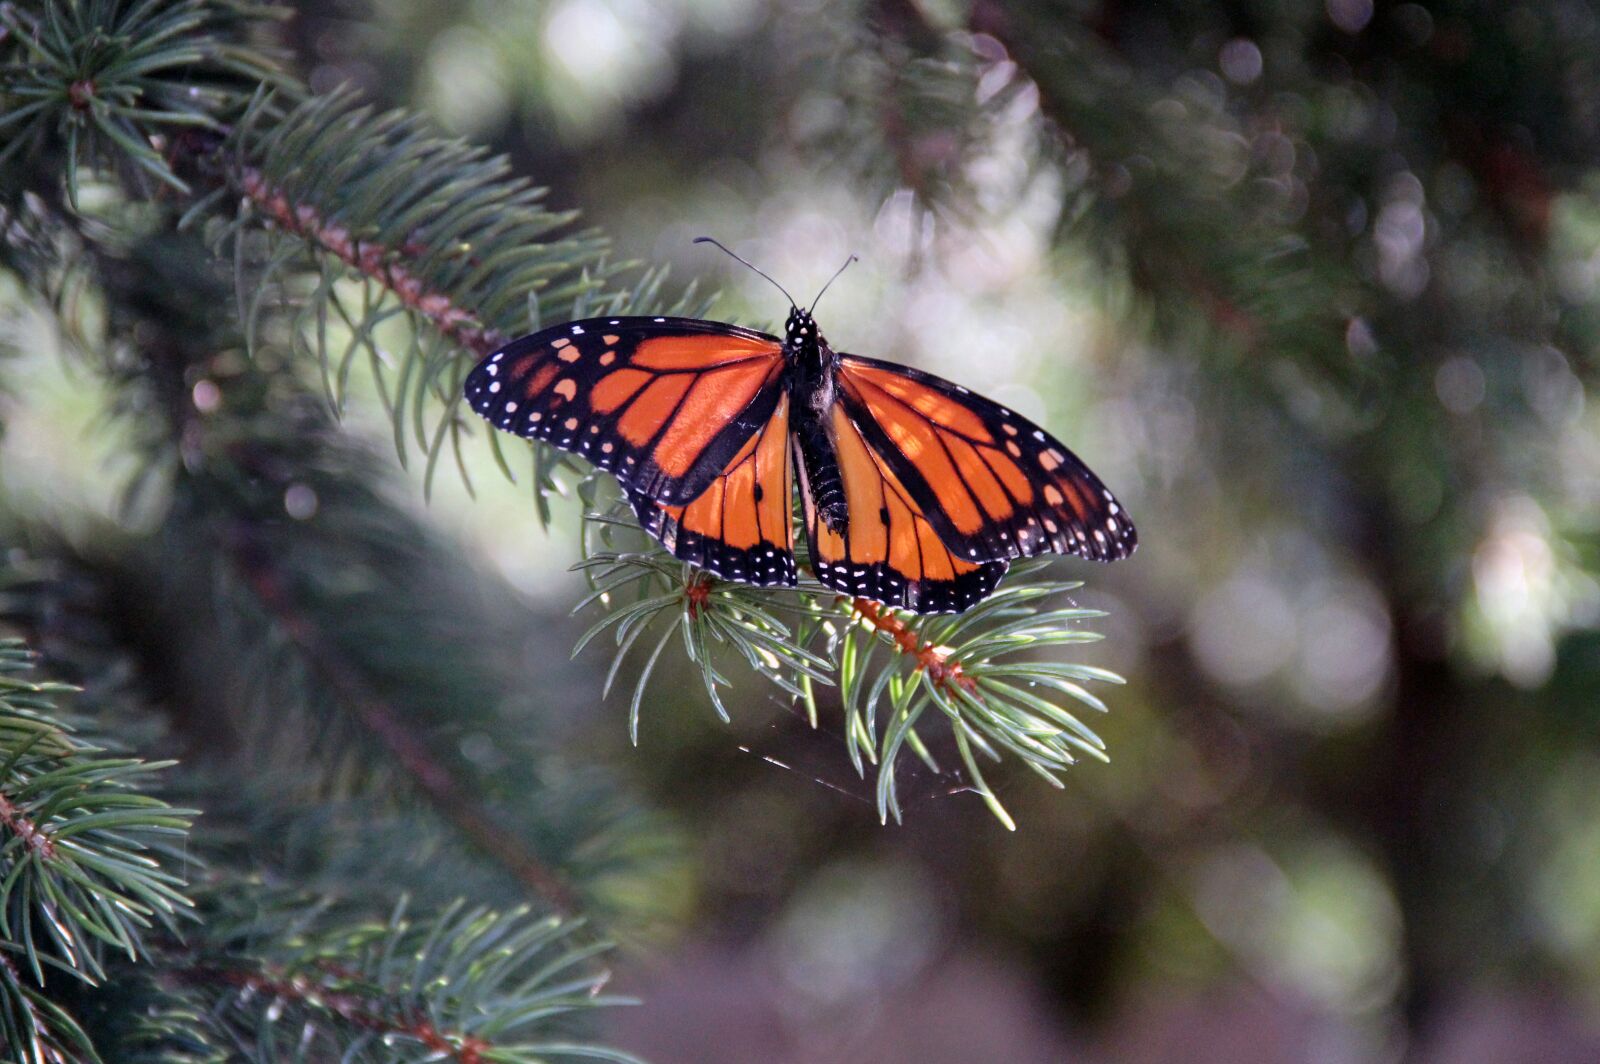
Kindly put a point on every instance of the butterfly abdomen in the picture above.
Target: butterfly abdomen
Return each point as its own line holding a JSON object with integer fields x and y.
{"x": 813, "y": 390}
{"x": 822, "y": 478}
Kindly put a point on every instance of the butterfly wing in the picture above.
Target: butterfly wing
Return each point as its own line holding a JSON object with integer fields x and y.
{"x": 742, "y": 526}
{"x": 663, "y": 404}
{"x": 992, "y": 484}
{"x": 889, "y": 550}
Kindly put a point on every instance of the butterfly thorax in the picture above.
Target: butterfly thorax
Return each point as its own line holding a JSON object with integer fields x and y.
{"x": 812, "y": 384}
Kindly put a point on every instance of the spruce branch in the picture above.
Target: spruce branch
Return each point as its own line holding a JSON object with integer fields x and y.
{"x": 87, "y": 862}
{"x": 947, "y": 675}
{"x": 347, "y": 644}
{"x": 652, "y": 592}
{"x": 81, "y": 868}
{"x": 364, "y": 237}
{"x": 433, "y": 230}
{"x": 375, "y": 262}
{"x": 342, "y": 964}
{"x": 390, "y": 728}
{"x": 360, "y": 1012}
{"x": 109, "y": 82}
{"x": 964, "y": 665}
{"x": 466, "y": 984}
{"x": 337, "y": 605}
{"x": 660, "y": 601}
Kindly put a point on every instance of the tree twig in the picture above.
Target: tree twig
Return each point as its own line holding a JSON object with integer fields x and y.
{"x": 33, "y": 836}
{"x": 941, "y": 669}
{"x": 353, "y": 1008}
{"x": 389, "y": 727}
{"x": 373, "y": 260}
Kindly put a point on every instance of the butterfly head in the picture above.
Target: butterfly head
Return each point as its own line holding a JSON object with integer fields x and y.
{"x": 801, "y": 330}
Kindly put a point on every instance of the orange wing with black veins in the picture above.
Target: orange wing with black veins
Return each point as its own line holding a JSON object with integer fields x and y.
{"x": 663, "y": 404}
{"x": 742, "y": 526}
{"x": 991, "y": 483}
{"x": 889, "y": 550}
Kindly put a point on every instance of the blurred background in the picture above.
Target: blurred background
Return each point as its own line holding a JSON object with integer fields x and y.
{"x": 1314, "y": 286}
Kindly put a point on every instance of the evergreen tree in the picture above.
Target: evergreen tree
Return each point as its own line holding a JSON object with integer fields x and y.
{"x": 284, "y": 776}
{"x": 391, "y": 863}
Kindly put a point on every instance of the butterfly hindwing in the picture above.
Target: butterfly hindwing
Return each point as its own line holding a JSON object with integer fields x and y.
{"x": 663, "y": 404}
{"x": 741, "y": 527}
{"x": 991, "y": 483}
{"x": 888, "y": 550}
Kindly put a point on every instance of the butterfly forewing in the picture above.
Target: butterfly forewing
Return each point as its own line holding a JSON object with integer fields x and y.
{"x": 663, "y": 404}
{"x": 992, "y": 484}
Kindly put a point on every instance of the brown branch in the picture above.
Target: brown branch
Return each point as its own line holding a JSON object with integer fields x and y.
{"x": 35, "y": 837}
{"x": 373, "y": 260}
{"x": 382, "y": 264}
{"x": 697, "y": 593}
{"x": 945, "y": 673}
{"x": 458, "y": 803}
{"x": 354, "y": 1009}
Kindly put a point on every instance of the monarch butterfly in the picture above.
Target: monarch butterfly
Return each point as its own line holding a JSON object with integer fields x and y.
{"x": 916, "y": 492}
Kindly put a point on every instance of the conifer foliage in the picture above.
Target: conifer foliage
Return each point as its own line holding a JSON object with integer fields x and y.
{"x": 363, "y": 853}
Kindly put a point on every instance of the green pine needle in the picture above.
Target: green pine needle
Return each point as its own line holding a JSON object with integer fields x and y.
{"x": 89, "y": 863}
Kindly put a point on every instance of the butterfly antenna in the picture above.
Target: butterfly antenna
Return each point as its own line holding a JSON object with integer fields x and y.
{"x": 747, "y": 262}
{"x": 835, "y": 277}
